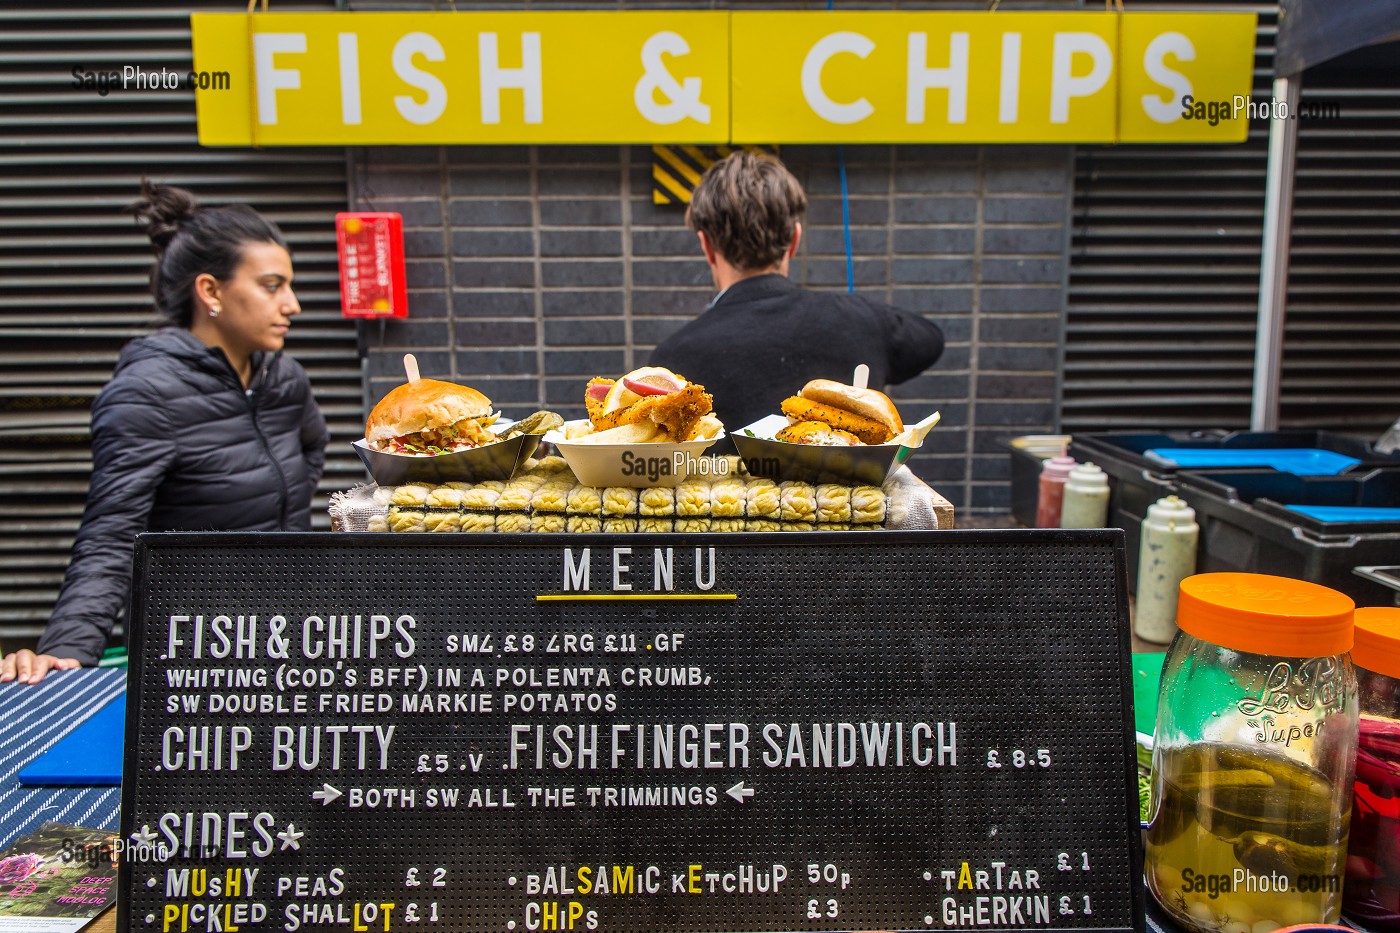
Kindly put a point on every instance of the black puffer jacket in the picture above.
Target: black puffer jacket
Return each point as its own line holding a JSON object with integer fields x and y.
{"x": 179, "y": 445}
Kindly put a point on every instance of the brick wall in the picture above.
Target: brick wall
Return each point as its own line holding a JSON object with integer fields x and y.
{"x": 532, "y": 269}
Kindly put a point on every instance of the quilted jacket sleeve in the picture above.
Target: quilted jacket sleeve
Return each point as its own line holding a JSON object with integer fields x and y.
{"x": 133, "y": 446}
{"x": 314, "y": 438}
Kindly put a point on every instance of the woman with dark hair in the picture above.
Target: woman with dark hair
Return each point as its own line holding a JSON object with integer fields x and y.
{"x": 205, "y": 426}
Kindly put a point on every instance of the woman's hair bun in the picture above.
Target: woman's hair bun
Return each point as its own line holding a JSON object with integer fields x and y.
{"x": 191, "y": 240}
{"x": 163, "y": 209}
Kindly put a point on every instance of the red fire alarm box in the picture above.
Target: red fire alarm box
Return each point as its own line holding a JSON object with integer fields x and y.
{"x": 372, "y": 282}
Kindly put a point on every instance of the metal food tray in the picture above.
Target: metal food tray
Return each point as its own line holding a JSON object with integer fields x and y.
{"x": 498, "y": 461}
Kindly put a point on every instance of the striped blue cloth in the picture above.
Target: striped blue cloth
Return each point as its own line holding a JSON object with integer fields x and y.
{"x": 32, "y": 719}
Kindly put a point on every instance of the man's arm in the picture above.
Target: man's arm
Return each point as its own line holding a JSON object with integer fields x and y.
{"x": 915, "y": 343}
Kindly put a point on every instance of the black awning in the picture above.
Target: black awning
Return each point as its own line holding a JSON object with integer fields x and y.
{"x": 1311, "y": 32}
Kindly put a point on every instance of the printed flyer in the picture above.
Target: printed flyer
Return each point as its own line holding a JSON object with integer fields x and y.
{"x": 56, "y": 879}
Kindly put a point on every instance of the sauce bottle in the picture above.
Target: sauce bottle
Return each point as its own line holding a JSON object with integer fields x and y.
{"x": 1052, "y": 490}
{"x": 1253, "y": 755}
{"x": 1085, "y": 502}
{"x": 1166, "y": 557}
{"x": 1372, "y": 892}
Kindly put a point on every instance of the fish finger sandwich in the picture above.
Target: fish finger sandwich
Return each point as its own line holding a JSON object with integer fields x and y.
{"x": 428, "y": 417}
{"x": 845, "y": 411}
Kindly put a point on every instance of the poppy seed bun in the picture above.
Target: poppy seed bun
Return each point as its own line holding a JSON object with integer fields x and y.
{"x": 426, "y": 403}
{"x": 868, "y": 403}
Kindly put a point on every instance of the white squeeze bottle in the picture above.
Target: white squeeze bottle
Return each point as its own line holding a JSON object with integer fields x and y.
{"x": 1086, "y": 498}
{"x": 1168, "y": 556}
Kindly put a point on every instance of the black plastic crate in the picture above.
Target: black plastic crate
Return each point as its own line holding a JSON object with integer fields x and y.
{"x": 1137, "y": 480}
{"x": 1387, "y": 577}
{"x": 1246, "y": 527}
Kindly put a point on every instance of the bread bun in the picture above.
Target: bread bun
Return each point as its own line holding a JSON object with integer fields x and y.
{"x": 425, "y": 403}
{"x": 868, "y": 403}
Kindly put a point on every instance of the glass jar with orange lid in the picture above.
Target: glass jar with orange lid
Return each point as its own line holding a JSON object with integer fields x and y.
{"x": 1253, "y": 755}
{"x": 1373, "y": 859}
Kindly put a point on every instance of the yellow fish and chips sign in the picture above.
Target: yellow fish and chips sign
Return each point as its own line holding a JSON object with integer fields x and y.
{"x": 708, "y": 77}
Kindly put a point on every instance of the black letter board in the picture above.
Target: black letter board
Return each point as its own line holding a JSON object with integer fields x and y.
{"x": 642, "y": 734}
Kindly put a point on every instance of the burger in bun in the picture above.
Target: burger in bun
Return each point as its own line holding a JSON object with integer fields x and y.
{"x": 865, "y": 413}
{"x": 427, "y": 417}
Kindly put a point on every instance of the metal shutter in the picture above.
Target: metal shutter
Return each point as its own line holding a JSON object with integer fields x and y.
{"x": 74, "y": 268}
{"x": 1164, "y": 269}
{"x": 1341, "y": 353}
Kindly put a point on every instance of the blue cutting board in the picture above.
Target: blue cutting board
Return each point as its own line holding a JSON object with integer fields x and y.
{"x": 1300, "y": 461}
{"x": 90, "y": 755}
{"x": 1347, "y": 513}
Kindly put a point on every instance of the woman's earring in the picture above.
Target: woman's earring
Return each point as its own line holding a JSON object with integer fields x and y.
{"x": 214, "y": 310}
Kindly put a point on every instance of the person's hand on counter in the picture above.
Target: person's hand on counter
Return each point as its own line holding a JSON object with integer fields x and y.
{"x": 30, "y": 668}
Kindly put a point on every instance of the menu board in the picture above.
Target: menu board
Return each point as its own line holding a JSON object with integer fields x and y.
{"x": 786, "y": 732}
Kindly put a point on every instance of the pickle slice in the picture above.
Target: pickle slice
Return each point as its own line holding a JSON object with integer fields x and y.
{"x": 1220, "y": 780}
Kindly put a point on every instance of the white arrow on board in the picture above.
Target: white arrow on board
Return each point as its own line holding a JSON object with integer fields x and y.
{"x": 740, "y": 793}
{"x": 328, "y": 794}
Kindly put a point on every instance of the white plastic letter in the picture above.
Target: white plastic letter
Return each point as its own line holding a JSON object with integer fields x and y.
{"x": 1010, "y": 78}
{"x": 826, "y": 108}
{"x": 527, "y": 77}
{"x": 922, "y": 77}
{"x": 1063, "y": 83}
{"x": 270, "y": 78}
{"x": 683, "y": 97}
{"x": 349, "y": 79}
{"x": 419, "y": 43}
{"x": 1154, "y": 62}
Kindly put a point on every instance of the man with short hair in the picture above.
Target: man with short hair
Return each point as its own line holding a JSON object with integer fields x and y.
{"x": 763, "y": 338}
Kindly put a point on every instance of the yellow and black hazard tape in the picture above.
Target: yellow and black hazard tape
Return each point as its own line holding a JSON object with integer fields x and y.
{"x": 676, "y": 170}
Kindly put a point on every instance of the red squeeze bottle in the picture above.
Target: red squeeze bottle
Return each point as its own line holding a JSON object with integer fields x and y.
{"x": 1053, "y": 476}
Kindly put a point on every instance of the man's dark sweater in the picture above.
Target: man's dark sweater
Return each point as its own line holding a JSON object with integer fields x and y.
{"x": 765, "y": 338}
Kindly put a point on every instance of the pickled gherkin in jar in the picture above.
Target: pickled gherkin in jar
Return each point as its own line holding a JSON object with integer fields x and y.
{"x": 1246, "y": 838}
{"x": 1253, "y": 754}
